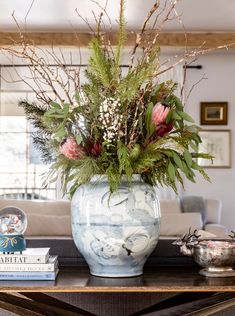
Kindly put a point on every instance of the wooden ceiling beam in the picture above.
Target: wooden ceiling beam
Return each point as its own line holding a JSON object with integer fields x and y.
{"x": 208, "y": 40}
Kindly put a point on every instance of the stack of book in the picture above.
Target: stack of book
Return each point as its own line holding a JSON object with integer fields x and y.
{"x": 31, "y": 264}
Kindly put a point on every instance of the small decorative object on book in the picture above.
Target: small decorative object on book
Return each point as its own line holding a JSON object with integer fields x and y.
{"x": 215, "y": 255}
{"x": 31, "y": 264}
{"x": 13, "y": 223}
{"x": 112, "y": 138}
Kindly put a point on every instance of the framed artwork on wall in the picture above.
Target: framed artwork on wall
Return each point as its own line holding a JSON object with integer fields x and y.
{"x": 214, "y": 113}
{"x": 218, "y": 144}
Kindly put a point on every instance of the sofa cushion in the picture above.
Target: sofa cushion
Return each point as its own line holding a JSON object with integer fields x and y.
{"x": 170, "y": 206}
{"x": 217, "y": 229}
{"x": 48, "y": 225}
{"x": 213, "y": 210}
{"x": 173, "y": 224}
{"x": 40, "y": 207}
{"x": 194, "y": 204}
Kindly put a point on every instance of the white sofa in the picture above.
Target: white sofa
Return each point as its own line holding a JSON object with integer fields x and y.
{"x": 176, "y": 223}
{"x": 52, "y": 218}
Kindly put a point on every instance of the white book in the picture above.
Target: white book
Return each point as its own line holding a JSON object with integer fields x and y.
{"x": 30, "y": 255}
{"x": 51, "y": 265}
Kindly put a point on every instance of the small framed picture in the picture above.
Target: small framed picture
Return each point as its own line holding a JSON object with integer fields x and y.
{"x": 218, "y": 144}
{"x": 214, "y": 113}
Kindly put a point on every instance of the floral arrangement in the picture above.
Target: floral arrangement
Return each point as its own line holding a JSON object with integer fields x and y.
{"x": 118, "y": 124}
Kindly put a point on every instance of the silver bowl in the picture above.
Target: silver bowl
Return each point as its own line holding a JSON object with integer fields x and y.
{"x": 216, "y": 256}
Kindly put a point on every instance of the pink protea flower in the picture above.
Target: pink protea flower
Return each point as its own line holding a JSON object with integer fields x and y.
{"x": 71, "y": 150}
{"x": 93, "y": 148}
{"x": 159, "y": 113}
{"x": 164, "y": 129}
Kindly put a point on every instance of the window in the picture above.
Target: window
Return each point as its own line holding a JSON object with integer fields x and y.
{"x": 21, "y": 168}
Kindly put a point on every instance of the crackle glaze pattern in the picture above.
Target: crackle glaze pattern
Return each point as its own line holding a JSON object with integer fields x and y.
{"x": 115, "y": 233}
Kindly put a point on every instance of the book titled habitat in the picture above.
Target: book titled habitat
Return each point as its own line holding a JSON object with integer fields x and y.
{"x": 30, "y": 255}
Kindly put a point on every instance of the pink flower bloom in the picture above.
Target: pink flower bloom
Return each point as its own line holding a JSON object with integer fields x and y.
{"x": 159, "y": 113}
{"x": 71, "y": 150}
{"x": 93, "y": 148}
{"x": 164, "y": 129}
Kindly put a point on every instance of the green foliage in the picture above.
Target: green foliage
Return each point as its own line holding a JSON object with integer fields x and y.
{"x": 121, "y": 40}
{"x": 42, "y": 136}
{"x": 150, "y": 127}
{"x": 137, "y": 76}
{"x": 99, "y": 64}
{"x": 34, "y": 113}
{"x": 124, "y": 161}
{"x": 110, "y": 126}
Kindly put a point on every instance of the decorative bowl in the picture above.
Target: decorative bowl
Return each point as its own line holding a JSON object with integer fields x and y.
{"x": 215, "y": 255}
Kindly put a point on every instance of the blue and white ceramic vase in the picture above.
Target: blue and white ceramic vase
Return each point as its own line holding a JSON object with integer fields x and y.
{"x": 115, "y": 233}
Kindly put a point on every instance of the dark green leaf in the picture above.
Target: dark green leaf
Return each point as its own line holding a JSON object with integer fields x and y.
{"x": 175, "y": 115}
{"x": 55, "y": 105}
{"x": 169, "y": 116}
{"x": 177, "y": 160}
{"x": 188, "y": 158}
{"x": 185, "y": 116}
{"x": 178, "y": 103}
{"x": 171, "y": 171}
{"x": 78, "y": 139}
{"x": 150, "y": 127}
{"x": 61, "y": 132}
{"x": 192, "y": 128}
{"x": 195, "y": 166}
{"x": 193, "y": 146}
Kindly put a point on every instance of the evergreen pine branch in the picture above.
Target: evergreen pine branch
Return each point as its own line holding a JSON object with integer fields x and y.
{"x": 92, "y": 89}
{"x": 75, "y": 171}
{"x": 141, "y": 74}
{"x": 42, "y": 143}
{"x": 114, "y": 178}
{"x": 99, "y": 63}
{"x": 124, "y": 160}
{"x": 32, "y": 109}
{"x": 121, "y": 38}
{"x": 34, "y": 113}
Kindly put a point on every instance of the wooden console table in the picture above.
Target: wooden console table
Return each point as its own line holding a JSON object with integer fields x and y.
{"x": 183, "y": 288}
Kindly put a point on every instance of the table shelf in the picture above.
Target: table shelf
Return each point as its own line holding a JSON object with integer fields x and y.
{"x": 183, "y": 279}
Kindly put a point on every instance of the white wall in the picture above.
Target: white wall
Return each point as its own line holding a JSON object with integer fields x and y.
{"x": 219, "y": 68}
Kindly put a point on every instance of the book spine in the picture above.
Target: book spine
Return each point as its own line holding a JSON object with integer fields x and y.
{"x": 21, "y": 259}
{"x": 28, "y": 276}
{"x": 28, "y": 267}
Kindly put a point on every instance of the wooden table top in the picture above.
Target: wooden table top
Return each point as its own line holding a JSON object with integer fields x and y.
{"x": 180, "y": 279}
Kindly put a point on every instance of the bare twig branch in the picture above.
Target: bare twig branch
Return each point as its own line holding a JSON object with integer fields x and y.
{"x": 143, "y": 28}
{"x": 193, "y": 86}
{"x": 27, "y": 14}
{"x": 191, "y": 54}
{"x": 85, "y": 20}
